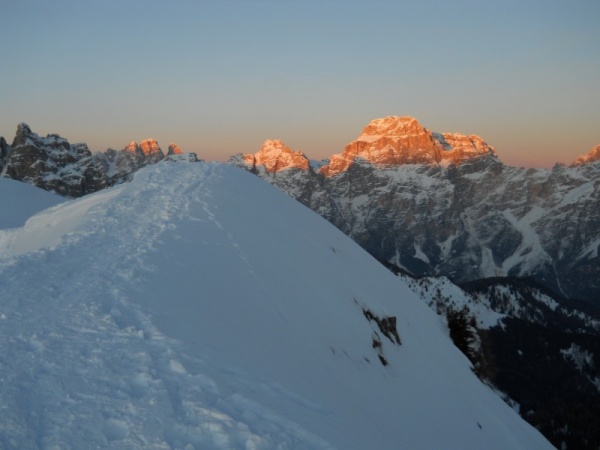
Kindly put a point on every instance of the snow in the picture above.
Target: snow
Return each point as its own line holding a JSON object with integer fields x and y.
{"x": 199, "y": 307}
{"x": 591, "y": 250}
{"x": 420, "y": 254}
{"x": 414, "y": 173}
{"x": 582, "y": 360}
{"x": 439, "y": 293}
{"x": 475, "y": 176}
{"x": 530, "y": 251}
{"x": 576, "y": 194}
{"x": 19, "y": 201}
{"x": 446, "y": 246}
{"x": 580, "y": 357}
{"x": 48, "y": 228}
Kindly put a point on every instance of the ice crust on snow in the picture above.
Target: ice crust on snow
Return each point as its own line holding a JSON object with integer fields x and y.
{"x": 199, "y": 307}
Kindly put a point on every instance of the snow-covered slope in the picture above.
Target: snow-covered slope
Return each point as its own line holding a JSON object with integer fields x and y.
{"x": 199, "y": 307}
{"x": 19, "y": 201}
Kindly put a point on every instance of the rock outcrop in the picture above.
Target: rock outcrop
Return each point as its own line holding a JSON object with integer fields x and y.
{"x": 53, "y": 164}
{"x": 3, "y": 149}
{"x": 174, "y": 150}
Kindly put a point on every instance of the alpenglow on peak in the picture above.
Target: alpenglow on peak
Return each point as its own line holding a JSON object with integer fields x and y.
{"x": 393, "y": 141}
{"x": 275, "y": 156}
{"x": 387, "y": 141}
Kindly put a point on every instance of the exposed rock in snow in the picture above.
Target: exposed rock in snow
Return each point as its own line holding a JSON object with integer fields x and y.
{"x": 174, "y": 150}
{"x": 183, "y": 157}
{"x": 53, "y": 164}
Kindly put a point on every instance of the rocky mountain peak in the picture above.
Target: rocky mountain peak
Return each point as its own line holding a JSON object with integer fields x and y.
{"x": 23, "y": 131}
{"x": 52, "y": 163}
{"x": 174, "y": 149}
{"x": 393, "y": 141}
{"x": 275, "y": 156}
{"x": 150, "y": 147}
{"x": 24, "y": 135}
{"x": 393, "y": 126}
{"x": 592, "y": 156}
{"x": 146, "y": 152}
{"x": 132, "y": 147}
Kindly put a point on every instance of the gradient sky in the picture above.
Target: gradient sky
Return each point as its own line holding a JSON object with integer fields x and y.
{"x": 220, "y": 77}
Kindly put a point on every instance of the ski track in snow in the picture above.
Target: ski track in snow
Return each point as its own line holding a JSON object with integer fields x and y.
{"x": 98, "y": 357}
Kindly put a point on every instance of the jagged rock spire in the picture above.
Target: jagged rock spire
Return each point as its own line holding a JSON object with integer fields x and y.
{"x": 174, "y": 150}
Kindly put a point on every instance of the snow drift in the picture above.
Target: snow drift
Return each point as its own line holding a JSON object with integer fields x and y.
{"x": 199, "y": 307}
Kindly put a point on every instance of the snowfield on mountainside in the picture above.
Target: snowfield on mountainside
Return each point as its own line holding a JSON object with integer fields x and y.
{"x": 199, "y": 307}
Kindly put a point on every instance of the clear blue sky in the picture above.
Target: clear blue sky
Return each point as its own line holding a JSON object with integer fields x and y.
{"x": 220, "y": 77}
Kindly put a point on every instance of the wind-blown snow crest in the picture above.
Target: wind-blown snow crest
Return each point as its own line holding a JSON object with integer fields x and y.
{"x": 198, "y": 307}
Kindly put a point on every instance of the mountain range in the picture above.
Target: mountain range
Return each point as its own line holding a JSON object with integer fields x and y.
{"x": 444, "y": 204}
{"x": 502, "y": 253}
{"x": 198, "y": 307}
{"x": 71, "y": 170}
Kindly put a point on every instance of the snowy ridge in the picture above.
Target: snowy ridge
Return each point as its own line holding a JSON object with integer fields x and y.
{"x": 176, "y": 311}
